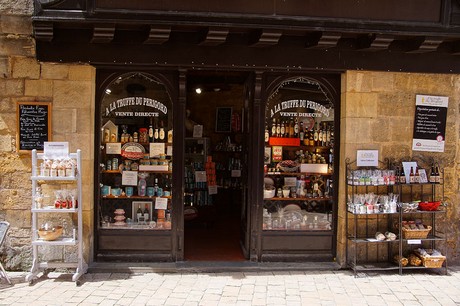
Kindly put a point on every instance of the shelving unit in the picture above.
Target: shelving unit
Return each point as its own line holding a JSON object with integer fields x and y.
{"x": 366, "y": 253}
{"x": 73, "y": 240}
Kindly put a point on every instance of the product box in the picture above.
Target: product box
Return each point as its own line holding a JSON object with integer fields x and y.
{"x": 153, "y": 167}
{"x": 314, "y": 168}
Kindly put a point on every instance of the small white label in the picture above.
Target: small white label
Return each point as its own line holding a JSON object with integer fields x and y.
{"x": 129, "y": 178}
{"x": 414, "y": 241}
{"x": 113, "y": 148}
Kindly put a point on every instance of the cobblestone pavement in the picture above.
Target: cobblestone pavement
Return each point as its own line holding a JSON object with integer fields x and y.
{"x": 236, "y": 288}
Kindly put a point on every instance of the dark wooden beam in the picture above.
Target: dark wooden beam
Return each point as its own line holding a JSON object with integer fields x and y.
{"x": 44, "y": 31}
{"x": 103, "y": 33}
{"x": 323, "y": 40}
{"x": 429, "y": 44}
{"x": 158, "y": 35}
{"x": 268, "y": 37}
{"x": 215, "y": 36}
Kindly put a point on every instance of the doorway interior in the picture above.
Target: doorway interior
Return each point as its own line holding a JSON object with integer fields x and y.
{"x": 215, "y": 145}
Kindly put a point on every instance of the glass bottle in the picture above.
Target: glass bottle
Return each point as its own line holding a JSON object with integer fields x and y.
{"x": 283, "y": 129}
{"x": 139, "y": 213}
{"x": 162, "y": 131}
{"x": 146, "y": 213}
{"x": 273, "y": 134}
{"x": 267, "y": 136}
{"x": 296, "y": 128}
{"x": 402, "y": 176}
{"x": 301, "y": 131}
{"x": 141, "y": 186}
{"x": 411, "y": 176}
{"x": 278, "y": 128}
{"x": 151, "y": 131}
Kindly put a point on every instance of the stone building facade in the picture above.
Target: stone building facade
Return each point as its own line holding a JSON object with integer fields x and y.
{"x": 377, "y": 112}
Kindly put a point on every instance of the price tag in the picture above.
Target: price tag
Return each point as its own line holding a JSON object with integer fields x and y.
{"x": 161, "y": 203}
{"x": 156, "y": 149}
{"x": 55, "y": 149}
{"x": 290, "y": 181}
{"x": 236, "y": 173}
{"x": 212, "y": 189}
{"x": 414, "y": 241}
{"x": 200, "y": 176}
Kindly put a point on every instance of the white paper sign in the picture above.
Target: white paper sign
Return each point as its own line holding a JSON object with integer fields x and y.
{"x": 129, "y": 178}
{"x": 113, "y": 148}
{"x": 414, "y": 241}
{"x": 161, "y": 203}
{"x": 200, "y": 176}
{"x": 407, "y": 167}
{"x": 367, "y": 158}
{"x": 212, "y": 189}
{"x": 197, "y": 131}
{"x": 54, "y": 149}
{"x": 156, "y": 149}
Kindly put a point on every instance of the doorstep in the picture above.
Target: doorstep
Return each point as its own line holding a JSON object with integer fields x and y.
{"x": 209, "y": 266}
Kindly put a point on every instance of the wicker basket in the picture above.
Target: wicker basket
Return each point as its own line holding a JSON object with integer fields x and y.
{"x": 432, "y": 261}
{"x": 416, "y": 234}
{"x": 50, "y": 234}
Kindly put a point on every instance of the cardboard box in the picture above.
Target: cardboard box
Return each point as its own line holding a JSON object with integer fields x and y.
{"x": 314, "y": 168}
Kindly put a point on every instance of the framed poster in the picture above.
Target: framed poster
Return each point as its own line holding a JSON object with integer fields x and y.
{"x": 33, "y": 125}
{"x": 224, "y": 119}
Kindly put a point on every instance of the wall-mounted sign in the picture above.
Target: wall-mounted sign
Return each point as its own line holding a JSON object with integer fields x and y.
{"x": 300, "y": 108}
{"x": 224, "y": 119}
{"x": 430, "y": 123}
{"x": 34, "y": 125}
{"x": 367, "y": 158}
{"x": 123, "y": 107}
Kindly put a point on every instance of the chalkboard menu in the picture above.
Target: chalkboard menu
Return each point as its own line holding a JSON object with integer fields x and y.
{"x": 34, "y": 125}
{"x": 224, "y": 119}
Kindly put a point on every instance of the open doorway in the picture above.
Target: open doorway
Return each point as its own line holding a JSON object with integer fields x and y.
{"x": 215, "y": 158}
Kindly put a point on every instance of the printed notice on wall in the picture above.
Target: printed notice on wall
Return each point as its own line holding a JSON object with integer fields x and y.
{"x": 430, "y": 123}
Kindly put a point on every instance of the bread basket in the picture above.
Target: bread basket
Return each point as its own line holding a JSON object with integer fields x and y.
{"x": 50, "y": 234}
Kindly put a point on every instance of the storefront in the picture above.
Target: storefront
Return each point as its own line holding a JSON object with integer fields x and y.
{"x": 251, "y": 168}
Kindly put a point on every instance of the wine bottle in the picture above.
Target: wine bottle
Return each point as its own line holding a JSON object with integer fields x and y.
{"x": 146, "y": 213}
{"x": 296, "y": 128}
{"x": 315, "y": 134}
{"x": 402, "y": 176}
{"x": 283, "y": 129}
{"x": 291, "y": 128}
{"x": 162, "y": 131}
{"x": 432, "y": 175}
{"x": 278, "y": 128}
{"x": 273, "y": 134}
{"x": 151, "y": 131}
{"x": 301, "y": 131}
{"x": 139, "y": 214}
{"x": 311, "y": 138}
{"x": 437, "y": 175}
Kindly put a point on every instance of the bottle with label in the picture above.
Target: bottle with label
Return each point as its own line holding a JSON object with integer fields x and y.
{"x": 311, "y": 138}
{"x": 156, "y": 133}
{"x": 320, "y": 136}
{"x": 151, "y": 131}
{"x": 315, "y": 134}
{"x": 296, "y": 127}
{"x": 432, "y": 175}
{"x": 146, "y": 213}
{"x": 139, "y": 213}
{"x": 301, "y": 131}
{"x": 278, "y": 128}
{"x": 328, "y": 135}
{"x": 291, "y": 128}
{"x": 273, "y": 134}
{"x": 402, "y": 176}
{"x": 162, "y": 132}
{"x": 282, "y": 129}
{"x": 155, "y": 187}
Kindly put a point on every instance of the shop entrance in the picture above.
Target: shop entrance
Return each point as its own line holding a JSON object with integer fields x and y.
{"x": 215, "y": 157}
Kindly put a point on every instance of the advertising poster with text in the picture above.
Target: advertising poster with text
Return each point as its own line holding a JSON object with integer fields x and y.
{"x": 430, "y": 123}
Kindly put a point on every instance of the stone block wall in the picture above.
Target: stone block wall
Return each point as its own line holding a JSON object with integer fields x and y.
{"x": 377, "y": 112}
{"x": 70, "y": 89}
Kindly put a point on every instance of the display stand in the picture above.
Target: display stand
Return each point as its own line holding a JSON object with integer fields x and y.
{"x": 74, "y": 239}
{"x": 364, "y": 251}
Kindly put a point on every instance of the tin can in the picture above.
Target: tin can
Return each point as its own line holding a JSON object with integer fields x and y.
{"x": 109, "y": 165}
{"x": 114, "y": 163}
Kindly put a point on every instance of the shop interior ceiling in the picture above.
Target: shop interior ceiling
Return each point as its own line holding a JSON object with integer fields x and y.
{"x": 199, "y": 40}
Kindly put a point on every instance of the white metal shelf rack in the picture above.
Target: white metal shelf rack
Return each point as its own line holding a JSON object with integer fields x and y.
{"x": 80, "y": 265}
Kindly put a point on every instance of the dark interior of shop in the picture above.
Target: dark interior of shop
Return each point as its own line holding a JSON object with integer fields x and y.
{"x": 212, "y": 223}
